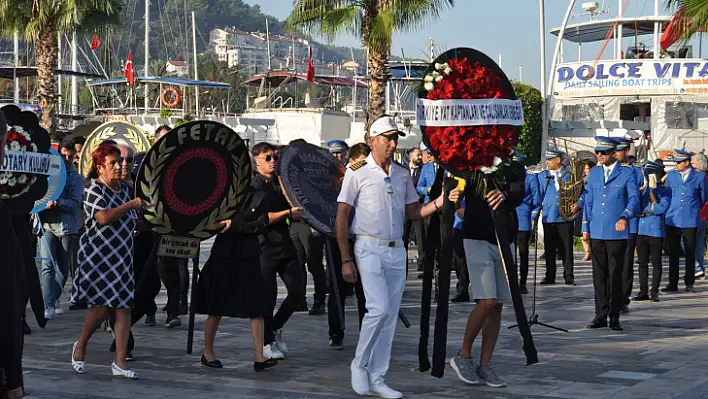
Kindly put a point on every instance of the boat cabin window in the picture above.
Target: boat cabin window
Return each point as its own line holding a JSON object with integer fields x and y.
{"x": 685, "y": 115}
{"x": 583, "y": 112}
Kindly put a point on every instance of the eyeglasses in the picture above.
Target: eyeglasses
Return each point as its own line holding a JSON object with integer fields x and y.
{"x": 605, "y": 152}
{"x": 269, "y": 158}
{"x": 389, "y": 186}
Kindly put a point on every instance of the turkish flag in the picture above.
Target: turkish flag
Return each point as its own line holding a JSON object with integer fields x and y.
{"x": 95, "y": 42}
{"x": 310, "y": 69}
{"x": 128, "y": 70}
{"x": 674, "y": 30}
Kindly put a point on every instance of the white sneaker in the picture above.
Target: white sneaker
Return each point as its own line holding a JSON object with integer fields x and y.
{"x": 49, "y": 313}
{"x": 282, "y": 346}
{"x": 271, "y": 351}
{"x": 57, "y": 308}
{"x": 360, "y": 380}
{"x": 380, "y": 388}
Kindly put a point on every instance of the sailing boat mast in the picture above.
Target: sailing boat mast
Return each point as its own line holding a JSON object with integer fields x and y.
{"x": 16, "y": 80}
{"x": 74, "y": 82}
{"x": 196, "y": 70}
{"x": 147, "y": 54}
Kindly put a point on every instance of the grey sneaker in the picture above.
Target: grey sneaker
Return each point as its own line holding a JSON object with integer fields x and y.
{"x": 488, "y": 376}
{"x": 465, "y": 369}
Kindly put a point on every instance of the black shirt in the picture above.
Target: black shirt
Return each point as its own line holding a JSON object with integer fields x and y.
{"x": 275, "y": 242}
{"x": 478, "y": 223}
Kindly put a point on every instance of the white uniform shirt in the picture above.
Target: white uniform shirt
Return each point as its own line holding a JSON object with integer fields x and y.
{"x": 376, "y": 212}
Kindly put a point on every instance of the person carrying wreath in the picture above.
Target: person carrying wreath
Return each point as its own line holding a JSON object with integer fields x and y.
{"x": 104, "y": 277}
{"x": 231, "y": 283}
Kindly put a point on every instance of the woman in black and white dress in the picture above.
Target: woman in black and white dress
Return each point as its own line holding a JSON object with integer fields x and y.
{"x": 104, "y": 277}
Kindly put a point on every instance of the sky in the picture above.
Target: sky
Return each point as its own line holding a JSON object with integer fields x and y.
{"x": 506, "y": 27}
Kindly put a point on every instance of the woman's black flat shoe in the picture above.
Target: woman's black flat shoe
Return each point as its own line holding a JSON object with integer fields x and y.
{"x": 260, "y": 366}
{"x": 216, "y": 363}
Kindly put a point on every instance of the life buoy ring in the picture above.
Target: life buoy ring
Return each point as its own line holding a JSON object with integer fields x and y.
{"x": 175, "y": 97}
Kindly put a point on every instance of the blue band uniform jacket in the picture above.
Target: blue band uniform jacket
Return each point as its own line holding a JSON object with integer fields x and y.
{"x": 687, "y": 198}
{"x": 426, "y": 180}
{"x": 634, "y": 222}
{"x": 550, "y": 211}
{"x": 529, "y": 207}
{"x": 606, "y": 202}
{"x": 651, "y": 221}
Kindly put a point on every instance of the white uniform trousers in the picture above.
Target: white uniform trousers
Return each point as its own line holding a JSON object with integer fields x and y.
{"x": 382, "y": 271}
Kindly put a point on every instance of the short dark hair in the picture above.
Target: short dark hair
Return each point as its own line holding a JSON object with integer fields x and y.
{"x": 358, "y": 150}
{"x": 261, "y": 147}
{"x": 296, "y": 141}
{"x": 410, "y": 150}
{"x": 67, "y": 145}
{"x": 79, "y": 140}
{"x": 160, "y": 128}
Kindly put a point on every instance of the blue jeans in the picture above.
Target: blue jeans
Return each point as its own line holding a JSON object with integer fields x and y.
{"x": 53, "y": 279}
{"x": 700, "y": 244}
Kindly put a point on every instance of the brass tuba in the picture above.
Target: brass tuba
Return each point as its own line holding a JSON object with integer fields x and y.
{"x": 570, "y": 190}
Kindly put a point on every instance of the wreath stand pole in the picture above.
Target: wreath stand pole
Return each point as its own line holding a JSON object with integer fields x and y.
{"x": 195, "y": 279}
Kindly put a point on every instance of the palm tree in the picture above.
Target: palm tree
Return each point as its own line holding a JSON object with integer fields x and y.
{"x": 694, "y": 15}
{"x": 40, "y": 22}
{"x": 374, "y": 22}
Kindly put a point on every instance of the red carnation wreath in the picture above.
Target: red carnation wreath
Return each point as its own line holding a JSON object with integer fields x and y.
{"x": 469, "y": 148}
{"x": 13, "y": 184}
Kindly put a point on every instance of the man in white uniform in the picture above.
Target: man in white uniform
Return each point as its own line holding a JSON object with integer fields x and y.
{"x": 382, "y": 194}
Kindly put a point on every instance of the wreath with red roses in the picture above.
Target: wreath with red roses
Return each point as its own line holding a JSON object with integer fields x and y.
{"x": 465, "y": 149}
{"x": 14, "y": 184}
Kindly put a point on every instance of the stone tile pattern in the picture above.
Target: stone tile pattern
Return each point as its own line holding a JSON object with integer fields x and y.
{"x": 663, "y": 353}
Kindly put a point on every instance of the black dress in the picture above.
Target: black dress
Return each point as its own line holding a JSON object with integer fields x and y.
{"x": 231, "y": 283}
{"x": 12, "y": 306}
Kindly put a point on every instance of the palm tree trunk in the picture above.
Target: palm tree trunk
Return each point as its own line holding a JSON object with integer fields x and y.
{"x": 46, "y": 63}
{"x": 378, "y": 65}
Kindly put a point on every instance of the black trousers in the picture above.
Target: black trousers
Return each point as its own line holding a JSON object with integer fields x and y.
{"x": 291, "y": 273}
{"x": 309, "y": 251}
{"x": 628, "y": 272}
{"x": 523, "y": 238}
{"x": 649, "y": 248}
{"x": 558, "y": 238}
{"x": 607, "y": 266}
{"x": 673, "y": 236}
{"x": 336, "y": 326}
{"x": 459, "y": 263}
{"x": 169, "y": 271}
{"x": 417, "y": 230}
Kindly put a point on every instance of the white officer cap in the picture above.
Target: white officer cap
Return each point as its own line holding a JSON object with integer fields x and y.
{"x": 384, "y": 126}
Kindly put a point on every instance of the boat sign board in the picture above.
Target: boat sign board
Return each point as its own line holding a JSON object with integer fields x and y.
{"x": 632, "y": 77}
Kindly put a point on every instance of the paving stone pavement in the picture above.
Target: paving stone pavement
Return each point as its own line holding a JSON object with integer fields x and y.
{"x": 662, "y": 353}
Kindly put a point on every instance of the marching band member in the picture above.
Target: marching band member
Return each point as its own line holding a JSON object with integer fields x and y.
{"x": 654, "y": 202}
{"x": 526, "y": 213}
{"x": 688, "y": 194}
{"x": 382, "y": 194}
{"x": 611, "y": 198}
{"x": 339, "y": 149}
{"x": 621, "y": 153}
{"x": 558, "y": 233}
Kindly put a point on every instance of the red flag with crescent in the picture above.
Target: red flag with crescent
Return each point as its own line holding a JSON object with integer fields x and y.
{"x": 95, "y": 42}
{"x": 128, "y": 70}
{"x": 310, "y": 68}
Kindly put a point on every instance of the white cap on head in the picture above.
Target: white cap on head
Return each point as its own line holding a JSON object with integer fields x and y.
{"x": 422, "y": 146}
{"x": 385, "y": 125}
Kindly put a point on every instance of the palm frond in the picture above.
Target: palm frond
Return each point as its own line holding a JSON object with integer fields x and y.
{"x": 380, "y": 30}
{"x": 414, "y": 14}
{"x": 694, "y": 14}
